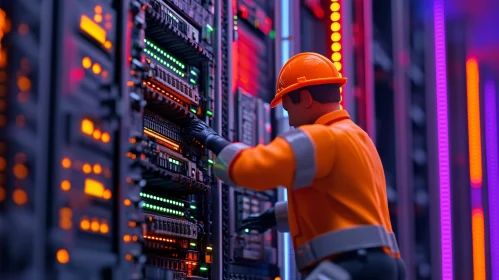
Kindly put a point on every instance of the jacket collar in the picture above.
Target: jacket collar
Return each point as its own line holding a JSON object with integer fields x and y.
{"x": 333, "y": 117}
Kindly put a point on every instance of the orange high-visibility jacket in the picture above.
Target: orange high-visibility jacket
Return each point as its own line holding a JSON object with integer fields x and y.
{"x": 331, "y": 169}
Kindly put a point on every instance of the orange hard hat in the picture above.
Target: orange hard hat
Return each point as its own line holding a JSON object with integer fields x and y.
{"x": 305, "y": 69}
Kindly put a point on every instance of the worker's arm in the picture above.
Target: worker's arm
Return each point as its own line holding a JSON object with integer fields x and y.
{"x": 292, "y": 160}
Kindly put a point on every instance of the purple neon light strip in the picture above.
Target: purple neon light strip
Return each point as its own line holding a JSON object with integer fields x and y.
{"x": 492, "y": 173}
{"x": 443, "y": 141}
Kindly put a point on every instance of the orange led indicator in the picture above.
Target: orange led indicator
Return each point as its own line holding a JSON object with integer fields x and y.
{"x": 20, "y": 197}
{"x": 87, "y": 168}
{"x": 98, "y": 18}
{"x": 23, "y": 83}
{"x": 107, "y": 194}
{"x": 66, "y": 163}
{"x": 85, "y": 224}
{"x": 94, "y": 226}
{"x": 86, "y": 62}
{"x": 66, "y": 215}
{"x": 105, "y": 137}
{"x": 94, "y": 188}
{"x": 97, "y": 169}
{"x": 62, "y": 256}
{"x": 96, "y": 68}
{"x": 104, "y": 228}
{"x": 108, "y": 44}
{"x": 87, "y": 126}
{"x": 65, "y": 185}
{"x": 92, "y": 29}
{"x": 97, "y": 134}
{"x": 127, "y": 202}
{"x": 20, "y": 171}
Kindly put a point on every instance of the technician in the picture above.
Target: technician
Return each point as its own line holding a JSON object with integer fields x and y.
{"x": 338, "y": 211}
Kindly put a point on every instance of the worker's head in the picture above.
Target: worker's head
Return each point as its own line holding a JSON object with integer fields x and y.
{"x": 307, "y": 104}
{"x": 309, "y": 86}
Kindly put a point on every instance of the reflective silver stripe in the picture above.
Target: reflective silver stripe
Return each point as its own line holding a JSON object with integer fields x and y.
{"x": 281, "y": 216}
{"x": 341, "y": 241}
{"x": 304, "y": 152}
{"x": 224, "y": 160}
{"x": 394, "y": 246}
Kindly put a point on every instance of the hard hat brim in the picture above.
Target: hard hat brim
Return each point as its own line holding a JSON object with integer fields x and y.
{"x": 278, "y": 97}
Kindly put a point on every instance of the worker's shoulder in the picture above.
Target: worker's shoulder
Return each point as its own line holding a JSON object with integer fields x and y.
{"x": 317, "y": 130}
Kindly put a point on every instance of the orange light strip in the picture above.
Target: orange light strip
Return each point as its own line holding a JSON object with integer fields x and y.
{"x": 162, "y": 139}
{"x": 475, "y": 154}
{"x": 475, "y": 141}
{"x": 478, "y": 233}
{"x": 93, "y": 29}
{"x": 336, "y": 46}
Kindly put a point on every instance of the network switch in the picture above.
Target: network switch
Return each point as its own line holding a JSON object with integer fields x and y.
{"x": 175, "y": 19}
{"x": 169, "y": 226}
{"x": 166, "y": 80}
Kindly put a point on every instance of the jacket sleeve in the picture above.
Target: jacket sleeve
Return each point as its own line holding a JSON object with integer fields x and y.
{"x": 292, "y": 160}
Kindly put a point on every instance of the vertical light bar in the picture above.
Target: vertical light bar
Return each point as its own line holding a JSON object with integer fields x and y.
{"x": 443, "y": 141}
{"x": 285, "y": 55}
{"x": 475, "y": 141}
{"x": 475, "y": 152}
{"x": 492, "y": 152}
{"x": 478, "y": 239}
{"x": 336, "y": 46}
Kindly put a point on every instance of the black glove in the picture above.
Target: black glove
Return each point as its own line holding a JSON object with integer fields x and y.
{"x": 200, "y": 131}
{"x": 260, "y": 222}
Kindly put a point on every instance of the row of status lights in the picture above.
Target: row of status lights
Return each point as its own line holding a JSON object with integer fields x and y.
{"x": 88, "y": 128}
{"x": 336, "y": 47}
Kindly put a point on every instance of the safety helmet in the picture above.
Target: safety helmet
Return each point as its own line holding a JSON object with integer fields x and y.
{"x": 305, "y": 69}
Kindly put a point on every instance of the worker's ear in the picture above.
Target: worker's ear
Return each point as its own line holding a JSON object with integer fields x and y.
{"x": 306, "y": 98}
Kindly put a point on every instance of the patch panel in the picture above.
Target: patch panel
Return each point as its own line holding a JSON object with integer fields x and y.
{"x": 162, "y": 126}
{"x": 166, "y": 80}
{"x": 169, "y": 226}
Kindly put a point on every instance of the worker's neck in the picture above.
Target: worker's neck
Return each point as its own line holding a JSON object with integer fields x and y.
{"x": 323, "y": 109}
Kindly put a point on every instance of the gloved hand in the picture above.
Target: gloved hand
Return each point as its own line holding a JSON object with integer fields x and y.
{"x": 200, "y": 131}
{"x": 260, "y": 222}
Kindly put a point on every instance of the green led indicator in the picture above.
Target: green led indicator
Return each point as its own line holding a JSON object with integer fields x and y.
{"x": 209, "y": 27}
{"x": 193, "y": 206}
{"x": 163, "y": 62}
{"x": 192, "y": 81}
{"x": 193, "y": 244}
{"x": 193, "y": 110}
{"x": 272, "y": 34}
{"x": 209, "y": 113}
{"x": 162, "y": 209}
{"x": 162, "y": 52}
{"x": 246, "y": 230}
{"x": 194, "y": 73}
{"x": 203, "y": 268}
{"x": 162, "y": 199}
{"x": 210, "y": 161}
{"x": 235, "y": 17}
